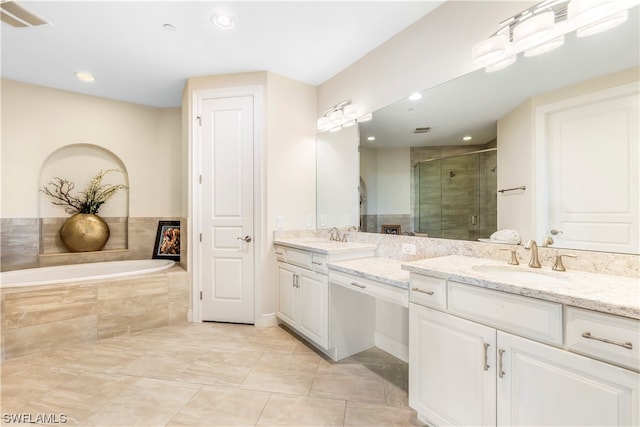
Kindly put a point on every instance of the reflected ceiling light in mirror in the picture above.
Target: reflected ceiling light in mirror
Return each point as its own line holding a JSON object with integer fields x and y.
{"x": 224, "y": 22}
{"x": 371, "y": 138}
{"x": 84, "y": 76}
{"x": 467, "y": 138}
{"x": 542, "y": 28}
{"x": 415, "y": 96}
{"x": 343, "y": 114}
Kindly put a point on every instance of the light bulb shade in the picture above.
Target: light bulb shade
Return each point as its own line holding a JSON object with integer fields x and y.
{"x": 335, "y": 116}
{"x": 585, "y": 12}
{"x": 323, "y": 123}
{"x": 348, "y": 123}
{"x": 603, "y": 25}
{"x": 545, "y": 46}
{"x": 500, "y": 64}
{"x": 351, "y": 111}
{"x": 489, "y": 50}
{"x": 534, "y": 29}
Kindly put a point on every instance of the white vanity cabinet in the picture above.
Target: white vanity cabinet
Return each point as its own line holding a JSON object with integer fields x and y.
{"x": 303, "y": 290}
{"x": 466, "y": 369}
{"x": 303, "y": 295}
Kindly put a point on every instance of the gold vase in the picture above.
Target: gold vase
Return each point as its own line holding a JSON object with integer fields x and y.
{"x": 84, "y": 233}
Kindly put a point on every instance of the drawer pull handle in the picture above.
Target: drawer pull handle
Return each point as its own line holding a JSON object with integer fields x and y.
{"x": 358, "y": 285}
{"x": 500, "y": 370}
{"x": 486, "y": 364}
{"x": 421, "y": 291}
{"x": 621, "y": 344}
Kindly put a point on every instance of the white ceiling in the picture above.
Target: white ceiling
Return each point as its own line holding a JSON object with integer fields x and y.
{"x": 134, "y": 59}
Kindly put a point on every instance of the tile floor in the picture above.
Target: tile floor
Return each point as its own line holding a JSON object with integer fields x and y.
{"x": 205, "y": 374}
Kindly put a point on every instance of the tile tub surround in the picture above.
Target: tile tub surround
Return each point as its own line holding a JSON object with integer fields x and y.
{"x": 44, "y": 318}
{"x": 599, "y": 292}
{"x": 30, "y": 242}
{"x": 208, "y": 374}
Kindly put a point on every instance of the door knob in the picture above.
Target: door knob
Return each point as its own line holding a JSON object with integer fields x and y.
{"x": 247, "y": 239}
{"x": 555, "y": 232}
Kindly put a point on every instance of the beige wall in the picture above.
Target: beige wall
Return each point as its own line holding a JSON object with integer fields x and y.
{"x": 36, "y": 121}
{"x": 288, "y": 161}
{"x": 434, "y": 50}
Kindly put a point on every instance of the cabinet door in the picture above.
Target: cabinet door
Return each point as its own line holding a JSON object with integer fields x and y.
{"x": 452, "y": 369}
{"x": 286, "y": 295}
{"x": 314, "y": 312}
{"x": 545, "y": 386}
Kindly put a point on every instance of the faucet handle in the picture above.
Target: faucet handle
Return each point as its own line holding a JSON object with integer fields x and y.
{"x": 344, "y": 238}
{"x": 514, "y": 257}
{"x": 559, "y": 266}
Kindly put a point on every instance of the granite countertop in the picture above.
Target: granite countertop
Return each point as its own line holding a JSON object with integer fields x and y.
{"x": 323, "y": 246}
{"x": 600, "y": 292}
{"x": 386, "y": 270}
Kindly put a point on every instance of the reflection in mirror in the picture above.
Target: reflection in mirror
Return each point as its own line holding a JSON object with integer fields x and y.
{"x": 412, "y": 131}
{"x": 337, "y": 178}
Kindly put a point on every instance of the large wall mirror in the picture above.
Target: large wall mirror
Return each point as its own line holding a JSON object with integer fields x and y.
{"x": 420, "y": 175}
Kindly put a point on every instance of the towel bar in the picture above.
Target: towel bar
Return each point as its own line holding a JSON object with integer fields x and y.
{"x": 512, "y": 189}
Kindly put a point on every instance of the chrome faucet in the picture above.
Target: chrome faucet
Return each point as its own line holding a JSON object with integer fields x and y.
{"x": 334, "y": 237}
{"x": 533, "y": 262}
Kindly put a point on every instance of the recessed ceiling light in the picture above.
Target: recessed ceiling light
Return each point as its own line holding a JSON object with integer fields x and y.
{"x": 415, "y": 96}
{"x": 371, "y": 138}
{"x": 223, "y": 21}
{"x": 466, "y": 138}
{"x": 84, "y": 76}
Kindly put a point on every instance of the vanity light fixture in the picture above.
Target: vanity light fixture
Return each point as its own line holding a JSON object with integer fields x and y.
{"x": 84, "y": 76}
{"x": 542, "y": 28}
{"x": 343, "y": 114}
{"x": 224, "y": 22}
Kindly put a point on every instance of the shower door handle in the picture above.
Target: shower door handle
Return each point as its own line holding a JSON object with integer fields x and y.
{"x": 247, "y": 239}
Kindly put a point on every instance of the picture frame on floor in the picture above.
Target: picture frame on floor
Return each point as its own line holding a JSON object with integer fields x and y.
{"x": 167, "y": 245}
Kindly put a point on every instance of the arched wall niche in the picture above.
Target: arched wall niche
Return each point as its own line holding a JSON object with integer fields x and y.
{"x": 79, "y": 163}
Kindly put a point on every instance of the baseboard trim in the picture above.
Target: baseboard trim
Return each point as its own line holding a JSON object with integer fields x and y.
{"x": 392, "y": 346}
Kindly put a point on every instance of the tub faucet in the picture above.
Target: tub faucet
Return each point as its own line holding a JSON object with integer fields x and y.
{"x": 533, "y": 262}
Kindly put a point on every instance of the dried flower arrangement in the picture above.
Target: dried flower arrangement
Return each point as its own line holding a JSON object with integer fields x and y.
{"x": 89, "y": 201}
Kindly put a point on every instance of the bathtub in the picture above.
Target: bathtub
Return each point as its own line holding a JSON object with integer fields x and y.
{"x": 81, "y": 272}
{"x": 47, "y": 308}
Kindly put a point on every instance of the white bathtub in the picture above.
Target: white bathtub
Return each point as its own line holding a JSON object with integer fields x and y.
{"x": 81, "y": 272}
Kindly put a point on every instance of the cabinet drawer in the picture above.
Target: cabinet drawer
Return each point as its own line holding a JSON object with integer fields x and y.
{"x": 603, "y": 336}
{"x": 319, "y": 263}
{"x": 375, "y": 289}
{"x": 299, "y": 258}
{"x": 524, "y": 316}
{"x": 428, "y": 291}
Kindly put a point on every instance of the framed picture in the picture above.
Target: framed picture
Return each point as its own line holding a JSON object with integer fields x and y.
{"x": 390, "y": 229}
{"x": 167, "y": 241}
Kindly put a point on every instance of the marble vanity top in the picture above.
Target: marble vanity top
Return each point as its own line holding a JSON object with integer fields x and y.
{"x": 385, "y": 270}
{"x": 323, "y": 246}
{"x": 599, "y": 292}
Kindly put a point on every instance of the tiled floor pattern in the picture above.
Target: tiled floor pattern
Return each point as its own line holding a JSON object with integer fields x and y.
{"x": 205, "y": 374}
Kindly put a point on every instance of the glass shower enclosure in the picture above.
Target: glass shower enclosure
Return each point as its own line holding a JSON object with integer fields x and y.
{"x": 456, "y": 196}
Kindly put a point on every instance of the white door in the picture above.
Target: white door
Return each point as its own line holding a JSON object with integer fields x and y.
{"x": 594, "y": 204}
{"x": 546, "y": 386}
{"x": 452, "y": 369}
{"x": 227, "y": 209}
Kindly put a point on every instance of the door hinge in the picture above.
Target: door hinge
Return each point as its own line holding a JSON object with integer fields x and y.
{"x": 200, "y": 295}
{"x": 201, "y": 237}
{"x": 199, "y": 119}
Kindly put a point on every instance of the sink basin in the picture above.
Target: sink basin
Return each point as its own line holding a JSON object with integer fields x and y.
{"x": 520, "y": 274}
